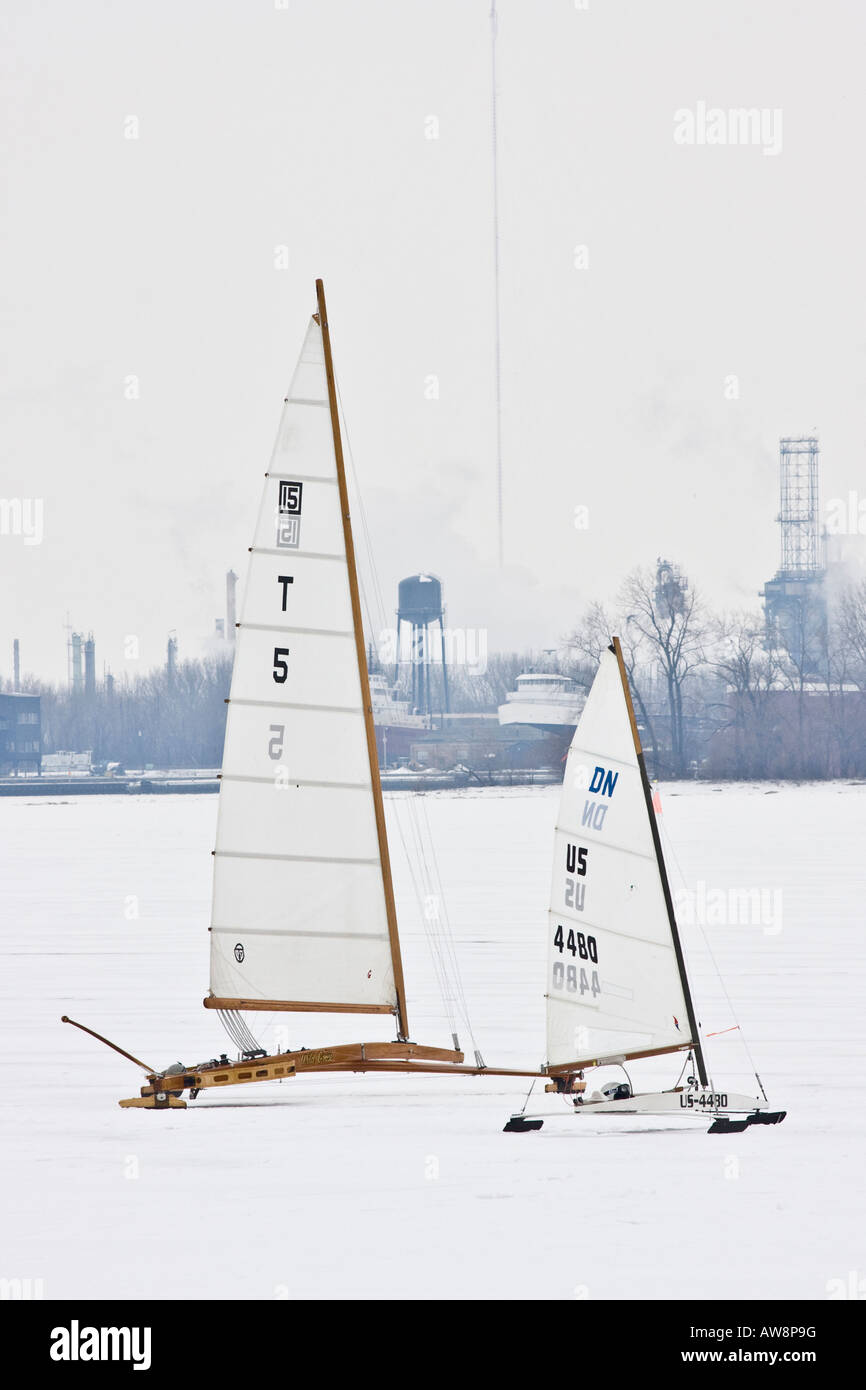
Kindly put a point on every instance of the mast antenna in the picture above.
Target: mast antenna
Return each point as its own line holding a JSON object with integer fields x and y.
{"x": 497, "y": 368}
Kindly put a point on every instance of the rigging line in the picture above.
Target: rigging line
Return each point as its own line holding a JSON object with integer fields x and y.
{"x": 437, "y": 962}
{"x": 689, "y": 1060}
{"x": 366, "y": 603}
{"x": 377, "y": 602}
{"x": 232, "y": 1028}
{"x": 454, "y": 1000}
{"x": 498, "y": 373}
{"x": 440, "y": 915}
{"x": 229, "y": 1026}
{"x": 425, "y": 841}
{"x": 528, "y": 1094}
{"x": 413, "y": 864}
{"x": 670, "y": 847}
{"x": 433, "y": 935}
{"x": 448, "y": 934}
{"x": 444, "y": 938}
{"x": 238, "y": 1030}
{"x": 436, "y": 937}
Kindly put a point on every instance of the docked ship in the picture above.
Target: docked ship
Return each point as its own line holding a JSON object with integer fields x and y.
{"x": 545, "y": 700}
{"x": 397, "y": 726}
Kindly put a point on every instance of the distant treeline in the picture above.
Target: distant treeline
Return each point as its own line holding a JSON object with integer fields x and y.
{"x": 160, "y": 719}
{"x": 727, "y": 695}
{"x": 715, "y": 695}
{"x": 720, "y": 695}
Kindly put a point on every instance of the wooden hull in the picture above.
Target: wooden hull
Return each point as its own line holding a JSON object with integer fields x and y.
{"x": 165, "y": 1092}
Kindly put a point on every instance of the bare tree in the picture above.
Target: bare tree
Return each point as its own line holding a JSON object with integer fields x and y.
{"x": 592, "y": 636}
{"x": 665, "y": 612}
{"x": 750, "y": 675}
{"x": 850, "y": 631}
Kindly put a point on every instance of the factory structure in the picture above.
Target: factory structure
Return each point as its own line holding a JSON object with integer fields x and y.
{"x": 20, "y": 734}
{"x": 795, "y": 599}
{"x": 412, "y": 686}
{"x": 814, "y": 565}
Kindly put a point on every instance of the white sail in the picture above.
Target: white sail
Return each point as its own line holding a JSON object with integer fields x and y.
{"x": 299, "y": 910}
{"x": 613, "y": 986}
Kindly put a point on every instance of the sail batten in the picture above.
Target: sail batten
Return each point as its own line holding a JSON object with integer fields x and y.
{"x": 301, "y": 478}
{"x": 291, "y": 858}
{"x": 296, "y": 782}
{"x": 299, "y": 554}
{"x": 299, "y": 631}
{"x": 293, "y": 704}
{"x": 621, "y": 848}
{"x": 615, "y": 985}
{"x": 314, "y": 935}
{"x": 302, "y": 916}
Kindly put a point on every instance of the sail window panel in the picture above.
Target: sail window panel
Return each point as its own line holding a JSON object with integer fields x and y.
{"x": 287, "y": 895}
{"x": 264, "y": 818}
{"x": 296, "y": 668}
{"x": 640, "y": 1005}
{"x": 300, "y": 513}
{"x": 301, "y": 745}
{"x": 295, "y": 591}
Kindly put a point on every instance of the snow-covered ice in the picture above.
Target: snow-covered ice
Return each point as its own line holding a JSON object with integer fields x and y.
{"x": 367, "y": 1187}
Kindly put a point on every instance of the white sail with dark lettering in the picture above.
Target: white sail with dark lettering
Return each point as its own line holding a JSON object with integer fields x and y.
{"x": 303, "y": 913}
{"x": 616, "y": 984}
{"x": 300, "y": 915}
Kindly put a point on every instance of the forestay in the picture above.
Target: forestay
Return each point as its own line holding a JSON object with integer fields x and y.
{"x": 299, "y": 909}
{"x": 614, "y": 987}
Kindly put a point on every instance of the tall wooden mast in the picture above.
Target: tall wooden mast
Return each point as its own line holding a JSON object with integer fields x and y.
{"x": 672, "y": 921}
{"x": 402, "y": 1019}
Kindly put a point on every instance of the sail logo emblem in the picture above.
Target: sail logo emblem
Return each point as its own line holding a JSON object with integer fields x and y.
{"x": 239, "y": 952}
{"x": 289, "y": 515}
{"x": 603, "y": 781}
{"x": 291, "y": 495}
{"x": 594, "y": 812}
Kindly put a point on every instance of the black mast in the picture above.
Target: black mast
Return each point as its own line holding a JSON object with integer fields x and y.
{"x": 678, "y": 950}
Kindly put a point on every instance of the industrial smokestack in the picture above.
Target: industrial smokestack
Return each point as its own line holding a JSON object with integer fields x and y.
{"x": 231, "y": 605}
{"x": 90, "y": 666}
{"x": 171, "y": 659}
{"x": 16, "y": 665}
{"x": 77, "y": 680}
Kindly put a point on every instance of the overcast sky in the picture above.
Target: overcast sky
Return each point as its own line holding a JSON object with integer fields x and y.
{"x": 307, "y": 127}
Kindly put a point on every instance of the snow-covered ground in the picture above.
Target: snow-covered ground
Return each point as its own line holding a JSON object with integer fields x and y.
{"x": 368, "y": 1187}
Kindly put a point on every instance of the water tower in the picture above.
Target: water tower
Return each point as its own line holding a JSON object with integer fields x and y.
{"x": 419, "y": 603}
